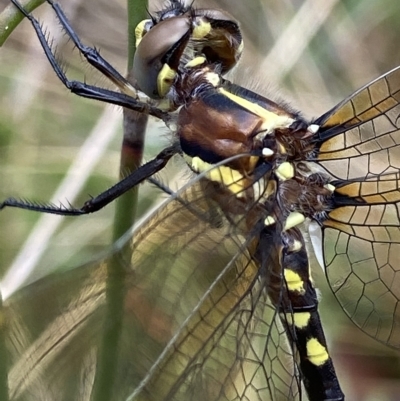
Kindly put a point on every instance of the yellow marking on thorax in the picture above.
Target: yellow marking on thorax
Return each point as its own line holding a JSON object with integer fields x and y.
{"x": 269, "y": 220}
{"x": 301, "y": 319}
{"x": 201, "y": 30}
{"x": 139, "y": 31}
{"x": 297, "y": 245}
{"x": 294, "y": 281}
{"x": 165, "y": 79}
{"x": 285, "y": 171}
{"x": 230, "y": 178}
{"x": 267, "y": 152}
{"x": 195, "y": 62}
{"x": 271, "y": 121}
{"x": 330, "y": 187}
{"x": 313, "y": 128}
{"x": 198, "y": 164}
{"x": 293, "y": 220}
{"x": 213, "y": 78}
{"x": 282, "y": 149}
{"x": 316, "y": 352}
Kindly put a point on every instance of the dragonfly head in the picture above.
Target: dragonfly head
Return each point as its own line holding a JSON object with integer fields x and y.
{"x": 181, "y": 37}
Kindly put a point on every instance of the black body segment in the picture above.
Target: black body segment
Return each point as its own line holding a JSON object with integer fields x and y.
{"x": 300, "y": 316}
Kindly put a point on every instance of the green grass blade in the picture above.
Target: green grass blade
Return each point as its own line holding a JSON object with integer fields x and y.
{"x": 11, "y": 17}
{"x": 125, "y": 214}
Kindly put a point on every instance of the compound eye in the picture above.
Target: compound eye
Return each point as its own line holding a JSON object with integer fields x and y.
{"x": 158, "y": 54}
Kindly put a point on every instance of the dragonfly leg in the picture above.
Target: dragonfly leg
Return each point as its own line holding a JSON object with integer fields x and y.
{"x": 91, "y": 54}
{"x": 106, "y": 197}
{"x": 89, "y": 91}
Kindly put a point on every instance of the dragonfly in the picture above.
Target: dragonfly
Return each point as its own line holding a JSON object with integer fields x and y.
{"x": 235, "y": 316}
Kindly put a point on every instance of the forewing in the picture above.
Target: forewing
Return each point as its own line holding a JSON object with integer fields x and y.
{"x": 232, "y": 347}
{"x": 197, "y": 322}
{"x": 360, "y": 136}
{"x": 360, "y": 146}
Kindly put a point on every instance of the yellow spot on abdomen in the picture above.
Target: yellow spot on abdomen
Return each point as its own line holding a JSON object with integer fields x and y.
{"x": 316, "y": 352}
{"x": 294, "y": 281}
{"x": 301, "y": 319}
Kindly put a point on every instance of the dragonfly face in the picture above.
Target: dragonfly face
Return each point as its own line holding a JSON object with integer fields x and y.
{"x": 236, "y": 315}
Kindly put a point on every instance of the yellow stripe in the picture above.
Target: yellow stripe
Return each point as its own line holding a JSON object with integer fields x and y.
{"x": 271, "y": 121}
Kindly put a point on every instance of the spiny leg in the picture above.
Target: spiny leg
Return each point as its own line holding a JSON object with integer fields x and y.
{"x": 91, "y": 54}
{"x": 81, "y": 88}
{"x": 106, "y": 197}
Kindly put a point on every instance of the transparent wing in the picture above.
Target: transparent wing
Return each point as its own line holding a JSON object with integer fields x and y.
{"x": 197, "y": 322}
{"x": 360, "y": 145}
{"x": 360, "y": 137}
{"x": 361, "y": 252}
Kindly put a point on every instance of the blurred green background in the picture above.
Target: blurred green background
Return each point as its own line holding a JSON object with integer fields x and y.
{"x": 311, "y": 53}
